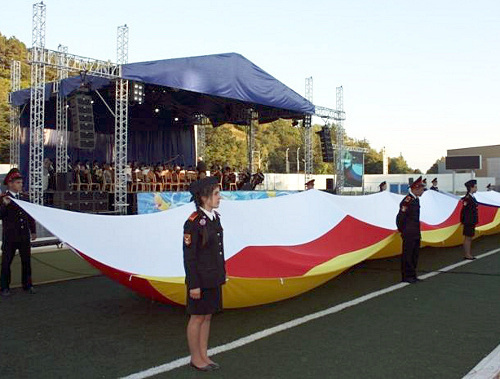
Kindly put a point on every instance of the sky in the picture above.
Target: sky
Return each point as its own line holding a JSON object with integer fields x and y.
{"x": 419, "y": 77}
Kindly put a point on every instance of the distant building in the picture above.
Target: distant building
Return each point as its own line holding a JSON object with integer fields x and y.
{"x": 490, "y": 159}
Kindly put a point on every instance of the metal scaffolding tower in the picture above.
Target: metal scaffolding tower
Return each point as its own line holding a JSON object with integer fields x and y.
{"x": 122, "y": 45}
{"x": 253, "y": 120}
{"x": 37, "y": 104}
{"x": 201, "y": 143}
{"x": 15, "y": 128}
{"x": 61, "y": 113}
{"x": 121, "y": 123}
{"x": 39, "y": 59}
{"x": 308, "y": 137}
{"x": 340, "y": 141}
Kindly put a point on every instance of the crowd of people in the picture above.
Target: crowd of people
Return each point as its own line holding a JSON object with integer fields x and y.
{"x": 99, "y": 176}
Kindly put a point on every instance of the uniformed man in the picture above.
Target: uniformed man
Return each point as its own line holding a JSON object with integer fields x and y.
{"x": 310, "y": 184}
{"x": 434, "y": 186}
{"x": 424, "y": 182}
{"x": 469, "y": 217}
{"x": 382, "y": 186}
{"x": 205, "y": 269}
{"x": 489, "y": 187}
{"x": 408, "y": 223}
{"x": 18, "y": 229}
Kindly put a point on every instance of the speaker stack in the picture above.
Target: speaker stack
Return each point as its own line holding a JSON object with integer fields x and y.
{"x": 82, "y": 121}
{"x": 88, "y": 202}
{"x": 326, "y": 144}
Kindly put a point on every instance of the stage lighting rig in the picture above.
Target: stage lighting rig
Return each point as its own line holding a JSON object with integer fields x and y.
{"x": 138, "y": 93}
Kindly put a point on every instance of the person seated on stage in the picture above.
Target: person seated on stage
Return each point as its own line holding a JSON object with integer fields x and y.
{"x": 226, "y": 179}
{"x": 243, "y": 178}
{"x": 201, "y": 167}
{"x": 215, "y": 171}
{"x": 107, "y": 174}
{"x": 163, "y": 170}
{"x": 128, "y": 172}
{"x": 76, "y": 172}
{"x": 434, "y": 186}
{"x": 84, "y": 172}
{"x": 48, "y": 173}
{"x": 382, "y": 186}
{"x": 96, "y": 173}
{"x": 489, "y": 187}
{"x": 310, "y": 185}
{"x": 157, "y": 172}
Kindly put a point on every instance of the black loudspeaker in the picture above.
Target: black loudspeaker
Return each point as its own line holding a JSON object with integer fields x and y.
{"x": 63, "y": 181}
{"x": 82, "y": 121}
{"x": 326, "y": 144}
{"x": 329, "y": 184}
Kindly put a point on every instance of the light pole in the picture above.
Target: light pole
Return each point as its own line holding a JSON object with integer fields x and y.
{"x": 287, "y": 163}
{"x": 298, "y": 161}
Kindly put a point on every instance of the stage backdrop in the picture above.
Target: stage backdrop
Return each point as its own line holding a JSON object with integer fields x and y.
{"x": 152, "y": 202}
{"x": 353, "y": 169}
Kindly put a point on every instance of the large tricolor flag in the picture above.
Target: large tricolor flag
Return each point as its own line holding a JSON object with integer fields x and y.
{"x": 275, "y": 248}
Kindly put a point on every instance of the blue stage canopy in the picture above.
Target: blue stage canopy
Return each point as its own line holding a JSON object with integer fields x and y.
{"x": 225, "y": 76}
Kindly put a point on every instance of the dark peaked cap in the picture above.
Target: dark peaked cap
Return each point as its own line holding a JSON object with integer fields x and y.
{"x": 471, "y": 183}
{"x": 196, "y": 187}
{"x": 13, "y": 174}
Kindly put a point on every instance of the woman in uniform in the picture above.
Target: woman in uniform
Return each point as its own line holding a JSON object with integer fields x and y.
{"x": 469, "y": 217}
{"x": 205, "y": 269}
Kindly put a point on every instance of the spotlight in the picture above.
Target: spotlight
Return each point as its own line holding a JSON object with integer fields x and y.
{"x": 176, "y": 119}
{"x": 137, "y": 92}
{"x": 157, "y": 110}
{"x": 92, "y": 102}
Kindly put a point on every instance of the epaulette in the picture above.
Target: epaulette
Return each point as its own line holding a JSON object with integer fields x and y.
{"x": 193, "y": 216}
{"x": 408, "y": 199}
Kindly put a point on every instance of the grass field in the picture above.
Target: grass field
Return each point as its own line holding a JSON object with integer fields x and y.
{"x": 94, "y": 328}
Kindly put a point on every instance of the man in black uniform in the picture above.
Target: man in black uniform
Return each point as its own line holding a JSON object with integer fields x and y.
{"x": 434, "y": 186}
{"x": 424, "y": 182}
{"x": 310, "y": 185}
{"x": 469, "y": 217}
{"x": 205, "y": 269}
{"x": 408, "y": 223}
{"x": 18, "y": 229}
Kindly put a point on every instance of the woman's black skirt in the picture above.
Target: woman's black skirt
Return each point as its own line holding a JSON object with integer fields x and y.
{"x": 209, "y": 303}
{"x": 469, "y": 230}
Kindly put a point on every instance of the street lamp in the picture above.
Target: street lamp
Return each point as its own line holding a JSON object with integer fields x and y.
{"x": 287, "y": 165}
{"x": 298, "y": 162}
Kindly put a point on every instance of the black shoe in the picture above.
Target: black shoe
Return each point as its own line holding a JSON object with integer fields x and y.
{"x": 30, "y": 290}
{"x": 418, "y": 280}
{"x": 215, "y": 366}
{"x": 5, "y": 293}
{"x": 469, "y": 259}
{"x": 204, "y": 368}
{"x": 411, "y": 281}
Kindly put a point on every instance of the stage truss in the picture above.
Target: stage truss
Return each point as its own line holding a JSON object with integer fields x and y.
{"x": 64, "y": 63}
{"x": 15, "y": 127}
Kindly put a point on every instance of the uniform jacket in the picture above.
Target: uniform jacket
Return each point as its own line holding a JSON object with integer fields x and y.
{"x": 408, "y": 218}
{"x": 468, "y": 215}
{"x": 16, "y": 223}
{"x": 204, "y": 251}
{"x": 435, "y": 188}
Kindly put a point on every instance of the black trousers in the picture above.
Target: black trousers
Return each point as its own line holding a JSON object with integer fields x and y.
{"x": 409, "y": 258}
{"x": 8, "y": 251}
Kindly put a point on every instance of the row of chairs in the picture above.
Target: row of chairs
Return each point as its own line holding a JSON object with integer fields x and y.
{"x": 170, "y": 181}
